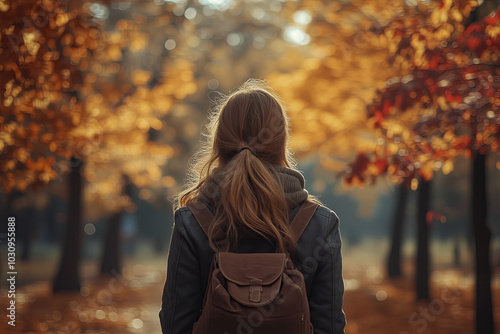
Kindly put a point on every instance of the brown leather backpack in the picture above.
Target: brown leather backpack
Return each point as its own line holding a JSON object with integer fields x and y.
{"x": 254, "y": 293}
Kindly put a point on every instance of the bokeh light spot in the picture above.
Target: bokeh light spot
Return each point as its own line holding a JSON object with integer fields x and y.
{"x": 83, "y": 317}
{"x": 302, "y": 17}
{"x": 213, "y": 84}
{"x": 89, "y": 229}
{"x": 136, "y": 323}
{"x": 99, "y": 11}
{"x": 296, "y": 35}
{"x": 190, "y": 13}
{"x": 234, "y": 39}
{"x": 258, "y": 13}
{"x": 44, "y": 326}
{"x": 113, "y": 316}
{"x": 100, "y": 314}
{"x": 351, "y": 284}
{"x": 381, "y": 295}
{"x": 414, "y": 184}
{"x": 170, "y": 44}
{"x": 85, "y": 291}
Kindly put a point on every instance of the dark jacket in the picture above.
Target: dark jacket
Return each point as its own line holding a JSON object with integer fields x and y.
{"x": 317, "y": 256}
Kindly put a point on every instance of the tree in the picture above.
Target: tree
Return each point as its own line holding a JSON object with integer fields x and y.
{"x": 443, "y": 81}
{"x": 446, "y": 106}
{"x": 43, "y": 46}
{"x": 124, "y": 115}
{"x": 68, "y": 275}
{"x": 59, "y": 103}
{"x": 128, "y": 78}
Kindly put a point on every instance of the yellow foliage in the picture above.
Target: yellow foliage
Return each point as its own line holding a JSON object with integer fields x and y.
{"x": 427, "y": 170}
{"x": 440, "y": 16}
{"x": 138, "y": 41}
{"x": 493, "y": 31}
{"x": 447, "y": 167}
{"x": 114, "y": 52}
{"x": 414, "y": 184}
{"x": 107, "y": 125}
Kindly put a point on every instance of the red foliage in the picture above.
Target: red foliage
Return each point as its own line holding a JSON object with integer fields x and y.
{"x": 358, "y": 169}
{"x": 452, "y": 89}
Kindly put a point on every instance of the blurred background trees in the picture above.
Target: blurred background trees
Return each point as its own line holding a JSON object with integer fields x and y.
{"x": 103, "y": 104}
{"x": 447, "y": 105}
{"x": 67, "y": 96}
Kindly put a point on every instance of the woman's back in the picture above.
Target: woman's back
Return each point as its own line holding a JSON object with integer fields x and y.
{"x": 317, "y": 256}
{"x": 246, "y": 176}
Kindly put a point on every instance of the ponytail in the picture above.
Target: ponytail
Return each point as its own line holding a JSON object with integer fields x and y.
{"x": 252, "y": 200}
{"x": 236, "y": 169}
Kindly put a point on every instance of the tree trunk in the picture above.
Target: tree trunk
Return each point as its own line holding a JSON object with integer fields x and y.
{"x": 112, "y": 250}
{"x": 482, "y": 233}
{"x": 51, "y": 219}
{"x": 394, "y": 258}
{"x": 28, "y": 231}
{"x": 482, "y": 236}
{"x": 422, "y": 273}
{"x": 111, "y": 259}
{"x": 68, "y": 276}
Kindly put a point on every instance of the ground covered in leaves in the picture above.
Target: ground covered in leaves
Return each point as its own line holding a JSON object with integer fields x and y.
{"x": 129, "y": 303}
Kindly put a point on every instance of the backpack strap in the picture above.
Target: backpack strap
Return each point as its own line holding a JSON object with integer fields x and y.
{"x": 204, "y": 217}
{"x": 302, "y": 218}
{"x": 202, "y": 214}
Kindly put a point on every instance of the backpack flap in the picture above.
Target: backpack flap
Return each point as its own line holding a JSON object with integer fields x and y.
{"x": 253, "y": 279}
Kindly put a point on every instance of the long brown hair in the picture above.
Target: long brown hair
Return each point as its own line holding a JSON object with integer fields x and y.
{"x": 246, "y": 139}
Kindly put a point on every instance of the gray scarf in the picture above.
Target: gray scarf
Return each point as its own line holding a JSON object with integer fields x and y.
{"x": 293, "y": 185}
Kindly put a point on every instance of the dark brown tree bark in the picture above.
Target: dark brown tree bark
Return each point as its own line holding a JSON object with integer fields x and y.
{"x": 482, "y": 234}
{"x": 28, "y": 232}
{"x": 111, "y": 258}
{"x": 422, "y": 272}
{"x": 394, "y": 258}
{"x": 68, "y": 276}
{"x": 482, "y": 237}
{"x": 112, "y": 248}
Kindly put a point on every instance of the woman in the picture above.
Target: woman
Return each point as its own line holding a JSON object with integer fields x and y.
{"x": 246, "y": 176}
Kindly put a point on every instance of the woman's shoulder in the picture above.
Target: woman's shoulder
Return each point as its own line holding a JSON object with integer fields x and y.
{"x": 190, "y": 216}
{"x": 325, "y": 220}
{"x": 326, "y": 213}
{"x": 184, "y": 218}
{"x": 321, "y": 231}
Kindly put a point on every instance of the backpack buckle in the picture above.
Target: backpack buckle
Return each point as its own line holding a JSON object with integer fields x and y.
{"x": 255, "y": 290}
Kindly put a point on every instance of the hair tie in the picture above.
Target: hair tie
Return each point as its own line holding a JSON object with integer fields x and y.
{"x": 247, "y": 148}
